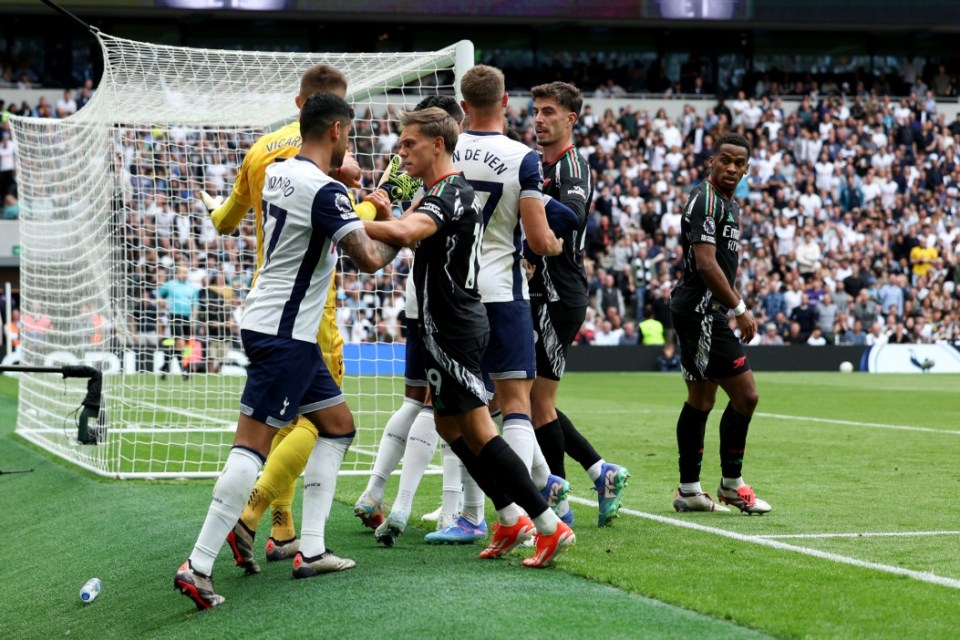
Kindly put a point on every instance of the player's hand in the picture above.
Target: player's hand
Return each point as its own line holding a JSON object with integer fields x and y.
{"x": 528, "y": 269}
{"x": 399, "y": 186}
{"x": 556, "y": 249}
{"x": 747, "y": 325}
{"x": 349, "y": 171}
{"x": 209, "y": 202}
{"x": 381, "y": 201}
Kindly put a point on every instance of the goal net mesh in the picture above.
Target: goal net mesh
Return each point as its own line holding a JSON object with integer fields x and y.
{"x": 109, "y": 213}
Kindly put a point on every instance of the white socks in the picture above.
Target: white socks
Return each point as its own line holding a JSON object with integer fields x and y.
{"x": 421, "y": 443}
{"x": 393, "y": 442}
{"x": 518, "y": 432}
{"x": 540, "y": 470}
{"x": 546, "y": 522}
{"x": 690, "y": 488}
{"x": 473, "y": 498}
{"x": 229, "y": 495}
{"x": 509, "y": 515}
{"x": 319, "y": 483}
{"x": 452, "y": 484}
{"x": 732, "y": 483}
{"x": 595, "y": 468}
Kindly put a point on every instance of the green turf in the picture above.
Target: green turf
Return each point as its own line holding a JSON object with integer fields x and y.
{"x": 821, "y": 477}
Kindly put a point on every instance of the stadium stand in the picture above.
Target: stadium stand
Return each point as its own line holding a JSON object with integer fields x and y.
{"x": 850, "y": 210}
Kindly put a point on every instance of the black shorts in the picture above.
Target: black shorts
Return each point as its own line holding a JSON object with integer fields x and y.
{"x": 555, "y": 325}
{"x": 453, "y": 373}
{"x": 180, "y": 326}
{"x": 709, "y": 350}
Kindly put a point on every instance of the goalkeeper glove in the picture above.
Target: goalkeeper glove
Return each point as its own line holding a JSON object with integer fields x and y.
{"x": 398, "y": 186}
{"x": 210, "y": 203}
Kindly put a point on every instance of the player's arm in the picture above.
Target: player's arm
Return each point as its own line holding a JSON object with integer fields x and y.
{"x": 419, "y": 222}
{"x": 560, "y": 218}
{"x": 539, "y": 236}
{"x": 368, "y": 254}
{"x": 533, "y": 214}
{"x": 402, "y": 232}
{"x": 348, "y": 172}
{"x": 333, "y": 214}
{"x": 568, "y": 210}
{"x": 225, "y": 215}
{"x": 703, "y": 243}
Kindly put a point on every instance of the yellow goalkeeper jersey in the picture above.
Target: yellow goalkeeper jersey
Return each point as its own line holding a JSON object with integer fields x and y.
{"x": 247, "y": 193}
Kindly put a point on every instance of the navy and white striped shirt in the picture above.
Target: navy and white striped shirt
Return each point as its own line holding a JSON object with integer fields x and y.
{"x": 305, "y": 214}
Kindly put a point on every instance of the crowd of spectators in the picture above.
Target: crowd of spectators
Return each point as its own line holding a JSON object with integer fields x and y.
{"x": 849, "y": 229}
{"x": 849, "y": 217}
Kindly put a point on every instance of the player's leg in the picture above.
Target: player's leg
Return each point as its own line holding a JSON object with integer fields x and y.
{"x": 511, "y": 363}
{"x": 273, "y": 381}
{"x": 393, "y": 442}
{"x": 278, "y": 482}
{"x": 275, "y": 488}
{"x": 742, "y": 391}
{"x": 496, "y": 461}
{"x": 557, "y": 327}
{"x": 695, "y": 334}
{"x": 279, "y": 478}
{"x": 194, "y": 579}
{"x": 325, "y": 407}
{"x": 421, "y": 445}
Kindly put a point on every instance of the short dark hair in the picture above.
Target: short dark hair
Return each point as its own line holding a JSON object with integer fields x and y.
{"x": 319, "y": 113}
{"x": 447, "y": 103}
{"x": 563, "y": 93}
{"x": 734, "y": 139}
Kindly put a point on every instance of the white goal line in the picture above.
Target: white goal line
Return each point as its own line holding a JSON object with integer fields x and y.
{"x": 922, "y": 576}
{"x": 865, "y": 534}
{"x": 854, "y": 423}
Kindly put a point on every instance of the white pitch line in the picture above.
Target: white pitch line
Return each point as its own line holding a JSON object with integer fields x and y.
{"x": 886, "y": 534}
{"x": 921, "y": 576}
{"x": 853, "y": 423}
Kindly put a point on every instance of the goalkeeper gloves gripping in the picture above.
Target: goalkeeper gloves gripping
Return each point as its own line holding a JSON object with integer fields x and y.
{"x": 210, "y": 203}
{"x": 398, "y": 186}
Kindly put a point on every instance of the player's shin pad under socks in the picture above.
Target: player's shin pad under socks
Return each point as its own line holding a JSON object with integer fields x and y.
{"x": 733, "y": 441}
{"x": 511, "y": 477}
{"x": 691, "y": 426}
{"x": 550, "y": 439}
{"x": 229, "y": 495}
{"x": 421, "y": 444}
{"x": 319, "y": 483}
{"x": 518, "y": 433}
{"x": 452, "y": 482}
{"x": 284, "y": 465}
{"x": 393, "y": 442}
{"x": 481, "y": 475}
{"x": 540, "y": 470}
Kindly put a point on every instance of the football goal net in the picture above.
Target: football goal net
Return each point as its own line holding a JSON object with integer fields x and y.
{"x": 109, "y": 215}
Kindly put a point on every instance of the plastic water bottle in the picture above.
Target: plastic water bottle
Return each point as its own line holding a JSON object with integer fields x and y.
{"x": 90, "y": 590}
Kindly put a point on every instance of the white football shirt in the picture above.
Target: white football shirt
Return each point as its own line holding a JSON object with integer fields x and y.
{"x": 305, "y": 214}
{"x": 502, "y": 172}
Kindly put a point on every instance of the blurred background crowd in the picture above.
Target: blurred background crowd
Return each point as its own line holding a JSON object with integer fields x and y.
{"x": 849, "y": 225}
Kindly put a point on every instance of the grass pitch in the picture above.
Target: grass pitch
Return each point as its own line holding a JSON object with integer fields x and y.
{"x": 862, "y": 542}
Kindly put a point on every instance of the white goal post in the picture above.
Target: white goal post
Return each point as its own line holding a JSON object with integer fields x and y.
{"x": 108, "y": 213}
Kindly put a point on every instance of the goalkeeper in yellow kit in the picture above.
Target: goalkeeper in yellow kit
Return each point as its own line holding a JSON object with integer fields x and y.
{"x": 293, "y": 444}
